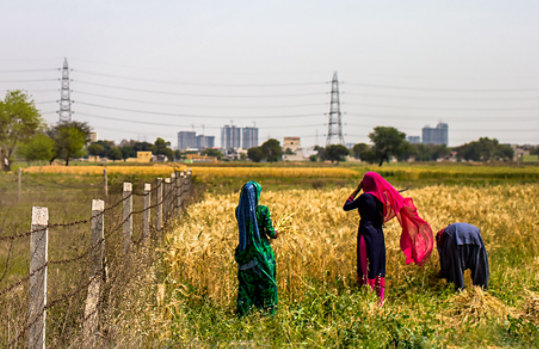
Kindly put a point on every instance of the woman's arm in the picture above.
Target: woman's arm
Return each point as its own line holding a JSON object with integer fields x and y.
{"x": 350, "y": 203}
{"x": 266, "y": 222}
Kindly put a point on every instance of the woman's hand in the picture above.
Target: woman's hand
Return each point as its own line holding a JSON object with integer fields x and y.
{"x": 358, "y": 189}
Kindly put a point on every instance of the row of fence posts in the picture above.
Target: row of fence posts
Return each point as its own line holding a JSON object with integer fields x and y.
{"x": 170, "y": 197}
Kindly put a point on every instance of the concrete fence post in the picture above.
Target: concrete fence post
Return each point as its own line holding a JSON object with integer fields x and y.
{"x": 39, "y": 241}
{"x": 106, "y": 183}
{"x": 159, "y": 203}
{"x": 178, "y": 192}
{"x": 166, "y": 204}
{"x": 146, "y": 215}
{"x": 91, "y": 310}
{"x": 172, "y": 201}
{"x": 19, "y": 184}
{"x": 127, "y": 216}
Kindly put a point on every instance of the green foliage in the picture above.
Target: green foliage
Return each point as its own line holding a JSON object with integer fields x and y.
{"x": 336, "y": 153}
{"x": 161, "y": 147}
{"x": 272, "y": 150}
{"x": 39, "y": 147}
{"x": 19, "y": 121}
{"x": 388, "y": 141}
{"x": 70, "y": 139}
{"x": 212, "y": 152}
{"x": 255, "y": 154}
{"x": 359, "y": 150}
{"x": 484, "y": 149}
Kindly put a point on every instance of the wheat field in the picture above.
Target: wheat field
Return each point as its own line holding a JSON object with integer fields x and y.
{"x": 315, "y": 254}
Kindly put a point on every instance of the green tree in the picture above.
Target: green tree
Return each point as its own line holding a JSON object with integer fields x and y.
{"x": 161, "y": 147}
{"x": 255, "y": 154}
{"x": 212, "y": 152}
{"x": 359, "y": 150}
{"x": 96, "y": 149}
{"x": 19, "y": 121}
{"x": 387, "y": 142}
{"x": 128, "y": 152}
{"x": 336, "y": 152}
{"x": 39, "y": 147}
{"x": 114, "y": 153}
{"x": 70, "y": 139}
{"x": 484, "y": 149}
{"x": 271, "y": 149}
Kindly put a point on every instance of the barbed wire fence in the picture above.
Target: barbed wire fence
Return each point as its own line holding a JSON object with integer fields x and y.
{"x": 63, "y": 299}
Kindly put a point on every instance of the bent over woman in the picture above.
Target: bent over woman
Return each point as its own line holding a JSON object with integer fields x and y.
{"x": 254, "y": 255}
{"x": 379, "y": 203}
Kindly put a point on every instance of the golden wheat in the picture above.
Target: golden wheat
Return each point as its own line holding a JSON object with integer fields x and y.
{"x": 318, "y": 239}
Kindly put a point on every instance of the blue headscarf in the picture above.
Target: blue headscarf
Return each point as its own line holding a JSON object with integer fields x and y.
{"x": 246, "y": 216}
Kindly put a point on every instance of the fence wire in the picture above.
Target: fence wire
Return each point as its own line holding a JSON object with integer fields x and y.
{"x": 112, "y": 259}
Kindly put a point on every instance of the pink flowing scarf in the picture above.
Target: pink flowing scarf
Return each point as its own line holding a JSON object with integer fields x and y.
{"x": 416, "y": 236}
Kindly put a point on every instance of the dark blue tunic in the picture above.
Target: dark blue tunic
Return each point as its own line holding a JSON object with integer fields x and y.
{"x": 461, "y": 247}
{"x": 370, "y": 227}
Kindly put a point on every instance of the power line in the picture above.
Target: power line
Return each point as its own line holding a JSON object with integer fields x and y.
{"x": 190, "y": 83}
{"x": 24, "y": 81}
{"x": 199, "y": 105}
{"x": 200, "y": 95}
{"x": 187, "y": 126}
{"x": 150, "y": 112}
{"x": 429, "y": 89}
{"x": 436, "y": 108}
{"x": 445, "y": 98}
{"x": 430, "y": 117}
{"x": 457, "y": 129}
{"x": 5, "y": 71}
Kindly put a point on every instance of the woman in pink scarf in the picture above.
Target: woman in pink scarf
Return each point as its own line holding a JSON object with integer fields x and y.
{"x": 379, "y": 203}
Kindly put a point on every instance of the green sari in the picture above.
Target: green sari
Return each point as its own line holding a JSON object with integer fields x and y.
{"x": 254, "y": 255}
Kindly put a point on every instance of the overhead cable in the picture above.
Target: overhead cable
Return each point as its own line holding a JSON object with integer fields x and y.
{"x": 190, "y": 83}
{"x": 430, "y": 89}
{"x": 201, "y": 95}
{"x": 183, "y": 115}
{"x": 142, "y": 101}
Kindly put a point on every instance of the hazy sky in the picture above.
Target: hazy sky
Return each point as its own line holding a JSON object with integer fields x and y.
{"x": 143, "y": 69}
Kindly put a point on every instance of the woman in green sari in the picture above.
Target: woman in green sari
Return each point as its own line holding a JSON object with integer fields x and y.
{"x": 255, "y": 258}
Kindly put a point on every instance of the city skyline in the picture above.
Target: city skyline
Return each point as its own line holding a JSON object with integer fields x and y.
{"x": 158, "y": 67}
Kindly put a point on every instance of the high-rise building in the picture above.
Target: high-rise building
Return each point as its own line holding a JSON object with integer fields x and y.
{"x": 249, "y": 137}
{"x": 186, "y": 140}
{"x": 436, "y": 135}
{"x": 414, "y": 139}
{"x": 203, "y": 142}
{"x": 230, "y": 137}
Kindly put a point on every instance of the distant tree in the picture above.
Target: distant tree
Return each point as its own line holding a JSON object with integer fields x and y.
{"x": 143, "y": 146}
{"x": 336, "y": 153}
{"x": 19, "y": 121}
{"x": 39, "y": 147}
{"x": 321, "y": 152}
{"x": 272, "y": 150}
{"x": 128, "y": 152}
{"x": 96, "y": 149}
{"x": 70, "y": 139}
{"x": 212, "y": 152}
{"x": 289, "y": 151}
{"x": 161, "y": 147}
{"x": 360, "y": 149}
{"x": 255, "y": 154}
{"x": 313, "y": 158}
{"x": 114, "y": 153}
{"x": 387, "y": 142}
{"x": 484, "y": 149}
{"x": 405, "y": 151}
